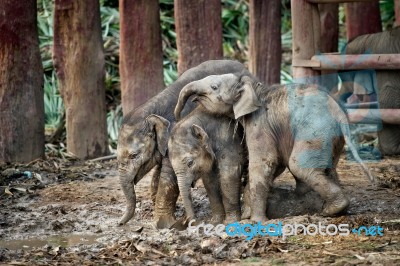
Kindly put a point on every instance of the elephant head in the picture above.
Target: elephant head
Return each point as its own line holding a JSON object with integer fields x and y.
{"x": 140, "y": 148}
{"x": 192, "y": 157}
{"x": 230, "y": 94}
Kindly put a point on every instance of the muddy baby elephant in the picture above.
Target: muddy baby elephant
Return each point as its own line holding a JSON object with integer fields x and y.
{"x": 207, "y": 147}
{"x": 296, "y": 126}
{"x": 143, "y": 138}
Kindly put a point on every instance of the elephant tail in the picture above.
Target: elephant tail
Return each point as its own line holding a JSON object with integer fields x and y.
{"x": 346, "y": 133}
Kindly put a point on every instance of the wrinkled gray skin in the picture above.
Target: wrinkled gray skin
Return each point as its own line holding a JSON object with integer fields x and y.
{"x": 143, "y": 140}
{"x": 204, "y": 146}
{"x": 388, "y": 82}
{"x": 295, "y": 126}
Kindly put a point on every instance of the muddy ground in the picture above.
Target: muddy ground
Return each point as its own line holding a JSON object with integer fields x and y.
{"x": 68, "y": 214}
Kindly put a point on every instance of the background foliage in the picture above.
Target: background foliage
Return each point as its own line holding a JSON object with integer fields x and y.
{"x": 235, "y": 21}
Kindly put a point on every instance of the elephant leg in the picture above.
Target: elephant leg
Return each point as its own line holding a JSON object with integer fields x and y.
{"x": 155, "y": 178}
{"x": 230, "y": 187}
{"x": 261, "y": 176}
{"x": 167, "y": 195}
{"x": 214, "y": 194}
{"x": 320, "y": 181}
{"x": 246, "y": 193}
{"x": 333, "y": 176}
{"x": 246, "y": 202}
{"x": 389, "y": 139}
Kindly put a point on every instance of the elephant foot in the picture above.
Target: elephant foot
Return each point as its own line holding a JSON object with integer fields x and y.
{"x": 165, "y": 221}
{"x": 217, "y": 219}
{"x": 246, "y": 212}
{"x": 258, "y": 218}
{"x": 335, "y": 206}
{"x": 232, "y": 217}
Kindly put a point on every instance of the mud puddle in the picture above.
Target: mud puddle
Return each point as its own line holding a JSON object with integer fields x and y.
{"x": 55, "y": 241}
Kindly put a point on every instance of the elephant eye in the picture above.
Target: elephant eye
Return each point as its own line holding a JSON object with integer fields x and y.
{"x": 190, "y": 163}
{"x": 133, "y": 155}
{"x": 214, "y": 87}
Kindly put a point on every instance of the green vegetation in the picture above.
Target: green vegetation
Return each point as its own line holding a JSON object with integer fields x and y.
{"x": 235, "y": 21}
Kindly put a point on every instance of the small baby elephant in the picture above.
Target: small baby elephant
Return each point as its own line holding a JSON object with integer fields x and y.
{"x": 207, "y": 147}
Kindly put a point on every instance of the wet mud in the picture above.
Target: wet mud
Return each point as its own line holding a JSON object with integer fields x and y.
{"x": 66, "y": 212}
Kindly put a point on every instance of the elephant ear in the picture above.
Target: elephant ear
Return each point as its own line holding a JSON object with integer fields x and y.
{"x": 199, "y": 133}
{"x": 160, "y": 125}
{"x": 247, "y": 101}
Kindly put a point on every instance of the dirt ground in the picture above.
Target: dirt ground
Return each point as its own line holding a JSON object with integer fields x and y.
{"x": 67, "y": 215}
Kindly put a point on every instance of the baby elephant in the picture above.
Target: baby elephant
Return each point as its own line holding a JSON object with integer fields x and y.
{"x": 296, "y": 126}
{"x": 207, "y": 147}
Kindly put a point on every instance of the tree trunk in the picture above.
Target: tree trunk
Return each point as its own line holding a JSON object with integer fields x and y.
{"x": 141, "y": 57}
{"x": 265, "y": 40}
{"x": 79, "y": 61}
{"x": 362, "y": 18}
{"x": 21, "y": 83}
{"x": 397, "y": 12}
{"x": 198, "y": 32}
{"x": 329, "y": 14}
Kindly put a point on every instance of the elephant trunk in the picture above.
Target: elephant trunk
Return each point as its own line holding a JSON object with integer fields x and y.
{"x": 128, "y": 188}
{"x": 184, "y": 184}
{"x": 184, "y": 95}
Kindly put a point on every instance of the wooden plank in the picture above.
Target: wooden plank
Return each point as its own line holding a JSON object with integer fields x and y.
{"x": 338, "y": 1}
{"x": 355, "y": 62}
{"x": 306, "y": 63}
{"x": 374, "y": 116}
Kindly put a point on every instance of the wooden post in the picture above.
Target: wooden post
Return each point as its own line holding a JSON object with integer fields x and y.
{"x": 329, "y": 15}
{"x": 141, "y": 58}
{"x": 198, "y": 32}
{"x": 397, "y": 11}
{"x": 21, "y": 83}
{"x": 265, "y": 40}
{"x": 362, "y": 18}
{"x": 305, "y": 37}
{"x": 79, "y": 61}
